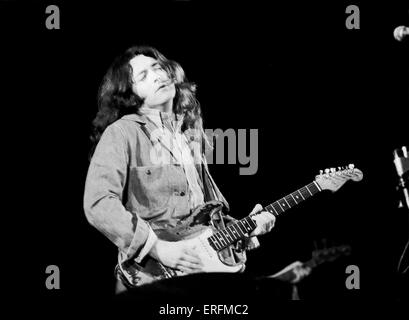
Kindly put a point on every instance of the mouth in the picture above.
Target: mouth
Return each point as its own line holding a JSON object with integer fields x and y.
{"x": 164, "y": 85}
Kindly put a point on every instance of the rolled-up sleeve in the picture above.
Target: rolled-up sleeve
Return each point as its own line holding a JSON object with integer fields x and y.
{"x": 104, "y": 187}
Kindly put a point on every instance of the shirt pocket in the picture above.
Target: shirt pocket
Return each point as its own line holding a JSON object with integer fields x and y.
{"x": 151, "y": 186}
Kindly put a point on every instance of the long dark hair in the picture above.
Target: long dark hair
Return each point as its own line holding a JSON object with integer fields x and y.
{"x": 116, "y": 97}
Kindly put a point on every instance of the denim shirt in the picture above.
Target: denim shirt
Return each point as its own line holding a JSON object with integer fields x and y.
{"x": 127, "y": 194}
{"x": 171, "y": 137}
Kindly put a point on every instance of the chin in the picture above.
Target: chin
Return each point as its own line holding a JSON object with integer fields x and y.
{"x": 157, "y": 102}
{"x": 164, "y": 98}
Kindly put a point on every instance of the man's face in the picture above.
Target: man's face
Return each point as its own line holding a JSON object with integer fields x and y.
{"x": 151, "y": 82}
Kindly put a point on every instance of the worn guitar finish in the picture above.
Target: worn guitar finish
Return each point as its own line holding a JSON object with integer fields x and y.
{"x": 210, "y": 242}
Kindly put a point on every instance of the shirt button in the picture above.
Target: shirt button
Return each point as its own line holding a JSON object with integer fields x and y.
{"x": 148, "y": 171}
{"x": 182, "y": 193}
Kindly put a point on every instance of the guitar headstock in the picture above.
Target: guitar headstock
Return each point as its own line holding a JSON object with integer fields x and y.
{"x": 333, "y": 179}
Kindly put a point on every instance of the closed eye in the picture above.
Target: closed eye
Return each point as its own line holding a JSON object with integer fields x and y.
{"x": 143, "y": 75}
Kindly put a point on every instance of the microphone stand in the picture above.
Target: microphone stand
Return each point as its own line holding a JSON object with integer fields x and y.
{"x": 402, "y": 168}
{"x": 401, "y": 162}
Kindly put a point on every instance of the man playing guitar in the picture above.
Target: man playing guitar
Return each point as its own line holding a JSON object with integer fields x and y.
{"x": 142, "y": 200}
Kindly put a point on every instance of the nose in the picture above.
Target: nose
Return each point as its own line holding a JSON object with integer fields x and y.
{"x": 158, "y": 78}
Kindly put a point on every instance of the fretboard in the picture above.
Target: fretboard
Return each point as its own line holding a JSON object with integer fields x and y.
{"x": 243, "y": 227}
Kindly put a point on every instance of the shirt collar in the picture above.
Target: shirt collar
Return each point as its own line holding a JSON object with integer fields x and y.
{"x": 141, "y": 116}
{"x": 135, "y": 117}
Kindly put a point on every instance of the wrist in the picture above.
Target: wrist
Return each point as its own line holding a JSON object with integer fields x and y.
{"x": 156, "y": 248}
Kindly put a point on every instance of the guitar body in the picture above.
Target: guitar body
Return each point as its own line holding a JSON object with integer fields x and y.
{"x": 151, "y": 270}
{"x": 210, "y": 258}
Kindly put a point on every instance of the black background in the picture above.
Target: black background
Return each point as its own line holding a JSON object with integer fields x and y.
{"x": 319, "y": 94}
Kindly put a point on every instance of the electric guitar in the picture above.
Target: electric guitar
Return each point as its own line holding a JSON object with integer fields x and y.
{"x": 211, "y": 241}
{"x": 318, "y": 257}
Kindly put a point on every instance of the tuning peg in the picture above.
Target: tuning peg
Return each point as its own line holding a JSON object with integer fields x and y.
{"x": 327, "y": 170}
{"x": 333, "y": 170}
{"x": 321, "y": 172}
{"x": 351, "y": 166}
{"x": 339, "y": 168}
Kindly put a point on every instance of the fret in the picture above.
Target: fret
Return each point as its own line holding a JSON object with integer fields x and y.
{"x": 269, "y": 210}
{"x": 293, "y": 198}
{"x": 308, "y": 190}
{"x": 222, "y": 241}
{"x": 284, "y": 204}
{"x": 244, "y": 222}
{"x": 305, "y": 193}
{"x": 241, "y": 227}
{"x": 227, "y": 235}
{"x": 224, "y": 236}
{"x": 240, "y": 231}
{"x": 314, "y": 187}
{"x": 277, "y": 208}
{"x": 281, "y": 207}
{"x": 287, "y": 202}
{"x": 219, "y": 242}
{"x": 236, "y": 230}
{"x": 247, "y": 224}
{"x": 232, "y": 234}
{"x": 216, "y": 245}
{"x": 233, "y": 231}
{"x": 318, "y": 187}
{"x": 300, "y": 194}
{"x": 251, "y": 222}
{"x": 290, "y": 200}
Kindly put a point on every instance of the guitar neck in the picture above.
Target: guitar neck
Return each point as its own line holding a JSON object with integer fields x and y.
{"x": 239, "y": 229}
{"x": 312, "y": 263}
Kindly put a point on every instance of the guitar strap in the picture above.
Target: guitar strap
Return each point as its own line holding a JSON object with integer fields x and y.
{"x": 208, "y": 194}
{"x": 232, "y": 255}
